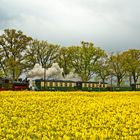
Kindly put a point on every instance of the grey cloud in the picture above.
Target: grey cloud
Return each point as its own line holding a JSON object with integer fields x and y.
{"x": 110, "y": 24}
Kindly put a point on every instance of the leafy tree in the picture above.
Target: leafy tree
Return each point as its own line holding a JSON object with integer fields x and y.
{"x": 13, "y": 45}
{"x": 102, "y": 68}
{"x": 132, "y": 63}
{"x": 44, "y": 53}
{"x": 117, "y": 67}
{"x": 84, "y": 59}
{"x": 64, "y": 60}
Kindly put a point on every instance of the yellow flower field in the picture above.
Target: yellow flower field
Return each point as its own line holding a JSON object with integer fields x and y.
{"x": 28, "y": 115}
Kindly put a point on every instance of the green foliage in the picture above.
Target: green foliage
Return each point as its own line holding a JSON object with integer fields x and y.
{"x": 84, "y": 59}
{"x": 132, "y": 63}
{"x": 64, "y": 60}
{"x": 117, "y": 67}
{"x": 102, "y": 68}
{"x": 13, "y": 45}
{"x": 43, "y": 53}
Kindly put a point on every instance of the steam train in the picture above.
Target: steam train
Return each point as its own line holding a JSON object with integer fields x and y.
{"x": 60, "y": 85}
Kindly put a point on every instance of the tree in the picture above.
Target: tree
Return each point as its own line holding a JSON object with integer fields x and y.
{"x": 64, "y": 60}
{"x": 132, "y": 63}
{"x": 13, "y": 45}
{"x": 44, "y": 53}
{"x": 102, "y": 68}
{"x": 117, "y": 67}
{"x": 84, "y": 59}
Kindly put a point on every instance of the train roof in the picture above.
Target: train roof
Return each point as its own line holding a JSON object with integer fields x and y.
{"x": 39, "y": 80}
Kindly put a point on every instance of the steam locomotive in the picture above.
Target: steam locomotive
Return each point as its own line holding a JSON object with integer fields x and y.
{"x": 8, "y": 84}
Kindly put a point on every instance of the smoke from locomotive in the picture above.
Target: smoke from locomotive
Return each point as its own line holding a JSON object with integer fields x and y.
{"x": 54, "y": 72}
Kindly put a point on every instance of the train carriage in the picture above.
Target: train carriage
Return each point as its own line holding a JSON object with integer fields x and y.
{"x": 60, "y": 85}
{"x": 94, "y": 86}
{"x": 53, "y": 85}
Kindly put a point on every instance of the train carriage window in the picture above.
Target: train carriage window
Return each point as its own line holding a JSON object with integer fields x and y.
{"x": 58, "y": 84}
{"x": 83, "y": 84}
{"x": 53, "y": 84}
{"x": 95, "y": 85}
{"x": 68, "y": 84}
{"x": 63, "y": 84}
{"x": 73, "y": 84}
{"x": 42, "y": 84}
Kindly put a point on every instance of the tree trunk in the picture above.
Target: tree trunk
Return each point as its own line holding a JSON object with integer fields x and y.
{"x": 118, "y": 81}
{"x": 130, "y": 80}
{"x": 134, "y": 77}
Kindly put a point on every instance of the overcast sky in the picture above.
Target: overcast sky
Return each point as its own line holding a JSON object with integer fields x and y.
{"x": 113, "y": 25}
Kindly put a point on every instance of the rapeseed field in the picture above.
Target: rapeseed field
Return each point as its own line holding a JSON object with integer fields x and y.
{"x": 28, "y": 115}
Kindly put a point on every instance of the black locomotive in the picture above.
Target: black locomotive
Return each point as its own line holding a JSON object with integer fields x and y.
{"x": 8, "y": 84}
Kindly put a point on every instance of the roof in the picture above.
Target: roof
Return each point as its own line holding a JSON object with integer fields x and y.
{"x": 41, "y": 80}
